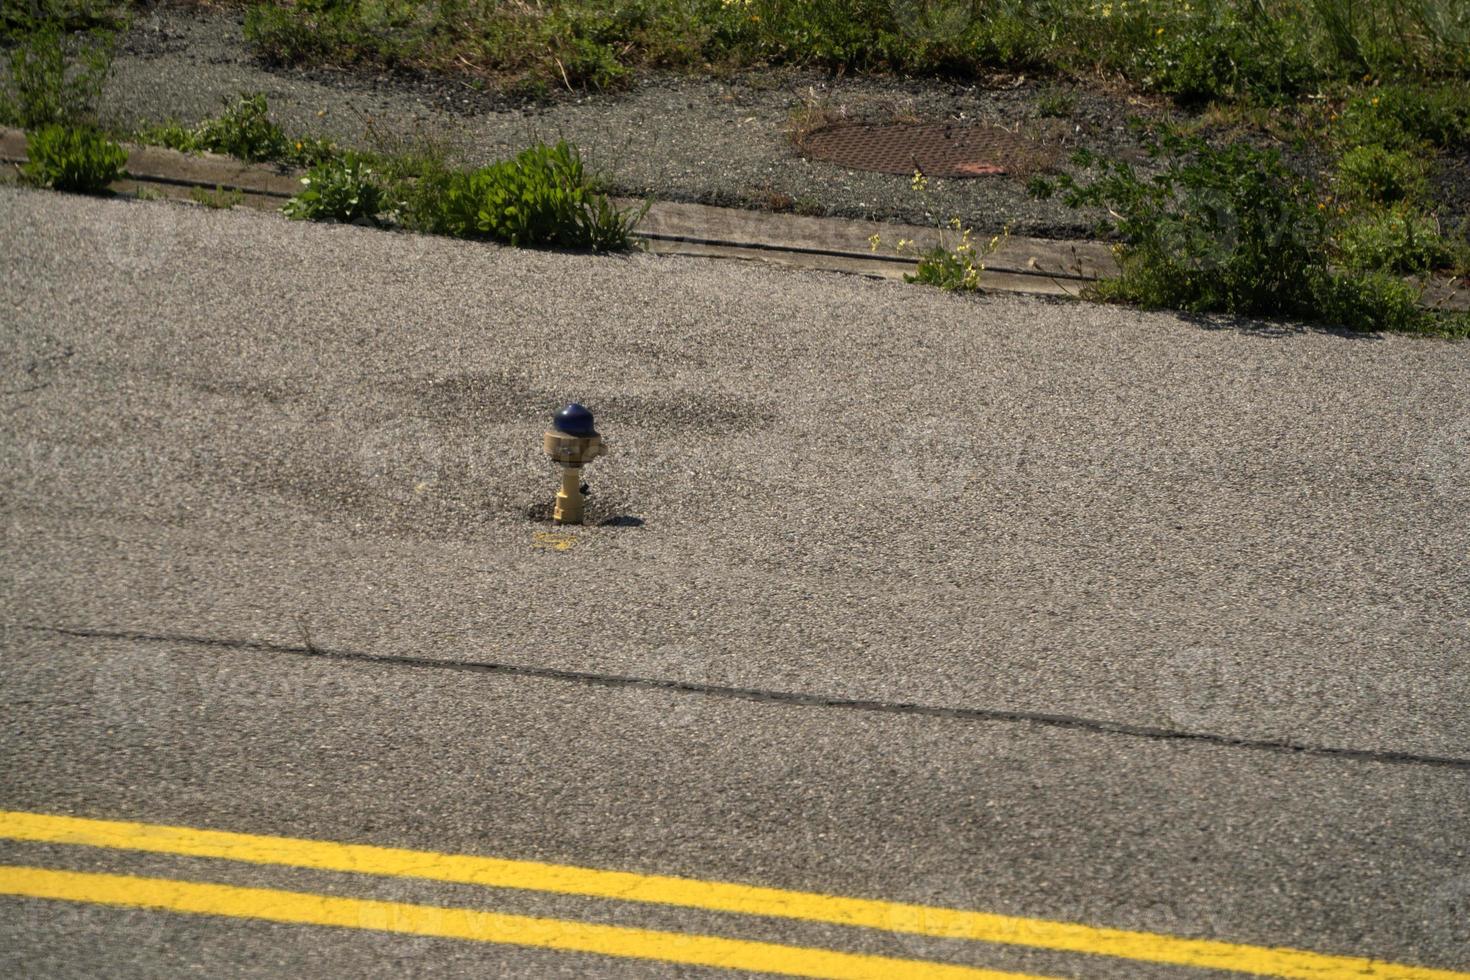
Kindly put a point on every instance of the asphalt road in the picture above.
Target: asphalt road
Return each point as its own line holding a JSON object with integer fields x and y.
{"x": 1043, "y": 609}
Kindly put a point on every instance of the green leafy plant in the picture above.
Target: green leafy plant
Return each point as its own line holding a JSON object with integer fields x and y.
{"x": 542, "y": 196}
{"x": 344, "y": 189}
{"x": 1220, "y": 52}
{"x": 955, "y": 266}
{"x": 171, "y": 135}
{"x": 953, "y": 262}
{"x": 56, "y": 77}
{"x": 1230, "y": 230}
{"x": 243, "y": 130}
{"x": 1377, "y": 174}
{"x": 1235, "y": 230}
{"x": 219, "y": 198}
{"x": 1397, "y": 240}
{"x": 1403, "y": 116}
{"x": 1374, "y": 301}
{"x": 72, "y": 158}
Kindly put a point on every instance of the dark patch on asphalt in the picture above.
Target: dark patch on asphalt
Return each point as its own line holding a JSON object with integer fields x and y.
{"x": 475, "y": 400}
{"x": 250, "y": 390}
{"x": 480, "y": 399}
{"x": 447, "y": 500}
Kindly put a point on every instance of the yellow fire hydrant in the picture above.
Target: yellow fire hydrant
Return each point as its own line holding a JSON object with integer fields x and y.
{"x": 572, "y": 443}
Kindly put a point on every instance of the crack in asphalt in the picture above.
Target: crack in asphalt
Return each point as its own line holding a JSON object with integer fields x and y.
{"x": 1043, "y": 719}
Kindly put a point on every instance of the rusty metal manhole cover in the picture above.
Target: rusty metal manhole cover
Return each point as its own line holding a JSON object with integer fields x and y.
{"x": 935, "y": 149}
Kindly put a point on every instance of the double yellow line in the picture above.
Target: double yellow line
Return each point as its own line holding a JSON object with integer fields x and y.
{"x": 323, "y": 910}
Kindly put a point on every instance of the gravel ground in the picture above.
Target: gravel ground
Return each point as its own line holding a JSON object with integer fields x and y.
{"x": 714, "y": 141}
{"x": 708, "y": 141}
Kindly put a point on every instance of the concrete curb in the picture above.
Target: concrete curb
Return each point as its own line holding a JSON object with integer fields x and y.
{"x": 1026, "y": 265}
{"x": 822, "y": 244}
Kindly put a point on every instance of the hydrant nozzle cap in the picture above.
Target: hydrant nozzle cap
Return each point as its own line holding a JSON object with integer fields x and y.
{"x": 574, "y": 420}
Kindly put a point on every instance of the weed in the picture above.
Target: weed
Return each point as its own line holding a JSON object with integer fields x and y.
{"x": 1380, "y": 37}
{"x": 1397, "y": 240}
{"x": 954, "y": 262}
{"x": 1223, "y": 52}
{"x": 1375, "y": 174}
{"x": 344, "y": 189}
{"x": 540, "y": 197}
{"x": 56, "y": 77}
{"x": 244, "y": 130}
{"x": 956, "y": 266}
{"x": 20, "y": 19}
{"x": 171, "y": 135}
{"x": 1401, "y": 116}
{"x": 543, "y": 196}
{"x": 1231, "y": 229}
{"x": 1234, "y": 230}
{"x": 813, "y": 114}
{"x": 1371, "y": 301}
{"x": 72, "y": 158}
{"x": 412, "y": 155}
{"x": 218, "y": 198}
{"x": 1056, "y": 102}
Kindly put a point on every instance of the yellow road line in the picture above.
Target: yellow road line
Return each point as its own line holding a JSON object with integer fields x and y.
{"x": 196, "y": 898}
{"x": 710, "y": 895}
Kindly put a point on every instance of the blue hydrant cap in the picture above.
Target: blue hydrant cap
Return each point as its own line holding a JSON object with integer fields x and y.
{"x": 574, "y": 420}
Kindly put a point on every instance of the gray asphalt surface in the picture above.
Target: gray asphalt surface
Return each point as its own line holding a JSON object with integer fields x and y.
{"x": 860, "y": 537}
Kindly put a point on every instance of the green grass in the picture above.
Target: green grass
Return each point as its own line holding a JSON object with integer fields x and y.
{"x": 1192, "y": 50}
{"x": 218, "y": 199}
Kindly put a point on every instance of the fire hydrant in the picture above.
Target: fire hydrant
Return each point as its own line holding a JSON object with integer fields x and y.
{"x": 572, "y": 443}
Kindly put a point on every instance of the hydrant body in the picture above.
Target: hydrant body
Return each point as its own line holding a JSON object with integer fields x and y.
{"x": 572, "y": 443}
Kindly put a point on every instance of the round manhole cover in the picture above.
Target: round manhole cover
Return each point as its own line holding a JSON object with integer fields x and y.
{"x": 934, "y": 149}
